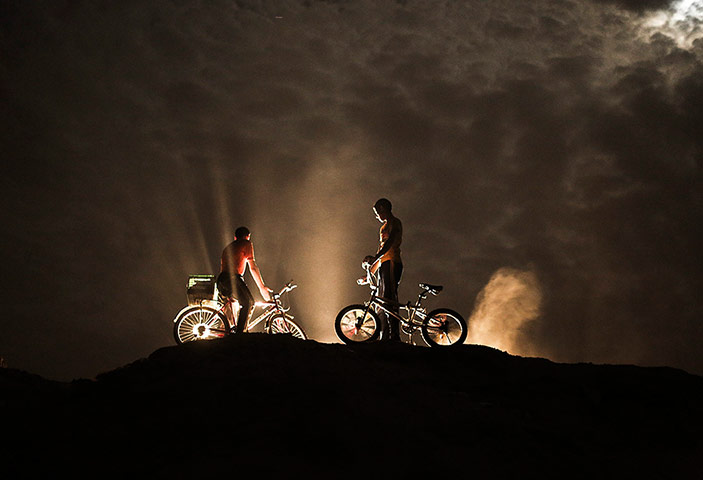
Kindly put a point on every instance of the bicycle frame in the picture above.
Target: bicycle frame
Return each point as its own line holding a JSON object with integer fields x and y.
{"x": 387, "y": 304}
{"x": 272, "y": 308}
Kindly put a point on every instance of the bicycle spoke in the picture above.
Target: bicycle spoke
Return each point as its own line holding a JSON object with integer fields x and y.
{"x": 364, "y": 332}
{"x": 444, "y": 328}
{"x": 358, "y": 326}
{"x": 285, "y": 326}
{"x": 368, "y": 330}
{"x": 199, "y": 324}
{"x": 356, "y": 323}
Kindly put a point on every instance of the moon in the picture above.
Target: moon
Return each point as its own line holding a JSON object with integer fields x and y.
{"x": 682, "y": 22}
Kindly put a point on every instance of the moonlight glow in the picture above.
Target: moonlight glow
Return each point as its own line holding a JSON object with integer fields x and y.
{"x": 683, "y": 23}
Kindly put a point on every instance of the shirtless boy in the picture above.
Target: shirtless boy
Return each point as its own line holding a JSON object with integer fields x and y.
{"x": 387, "y": 259}
{"x": 230, "y": 282}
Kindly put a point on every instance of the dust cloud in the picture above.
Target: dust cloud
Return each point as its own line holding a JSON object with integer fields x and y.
{"x": 509, "y": 302}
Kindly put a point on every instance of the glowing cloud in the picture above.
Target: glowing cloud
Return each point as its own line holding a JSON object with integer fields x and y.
{"x": 683, "y": 22}
{"x": 511, "y": 299}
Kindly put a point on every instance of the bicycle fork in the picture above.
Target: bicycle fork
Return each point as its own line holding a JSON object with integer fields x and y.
{"x": 360, "y": 321}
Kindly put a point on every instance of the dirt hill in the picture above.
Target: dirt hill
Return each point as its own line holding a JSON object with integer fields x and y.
{"x": 274, "y": 405}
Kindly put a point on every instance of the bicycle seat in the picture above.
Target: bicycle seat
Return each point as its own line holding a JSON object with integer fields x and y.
{"x": 433, "y": 289}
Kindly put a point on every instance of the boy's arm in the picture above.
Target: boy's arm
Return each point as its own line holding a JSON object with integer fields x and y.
{"x": 256, "y": 273}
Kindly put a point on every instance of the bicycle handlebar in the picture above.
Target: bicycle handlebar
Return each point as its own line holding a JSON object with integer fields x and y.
{"x": 369, "y": 276}
{"x": 372, "y": 282}
{"x": 287, "y": 288}
{"x": 277, "y": 296}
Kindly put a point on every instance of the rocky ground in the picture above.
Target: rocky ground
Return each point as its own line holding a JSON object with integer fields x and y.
{"x": 277, "y": 406}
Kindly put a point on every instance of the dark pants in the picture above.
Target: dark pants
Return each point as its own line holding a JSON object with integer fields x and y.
{"x": 389, "y": 274}
{"x": 240, "y": 292}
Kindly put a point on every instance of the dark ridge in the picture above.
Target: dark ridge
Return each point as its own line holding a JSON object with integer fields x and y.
{"x": 285, "y": 407}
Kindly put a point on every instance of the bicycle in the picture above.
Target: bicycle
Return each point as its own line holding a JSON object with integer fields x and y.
{"x": 360, "y": 323}
{"x": 207, "y": 319}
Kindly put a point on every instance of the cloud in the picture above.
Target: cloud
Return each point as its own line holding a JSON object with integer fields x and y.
{"x": 638, "y": 6}
{"x": 507, "y": 304}
{"x": 559, "y": 138}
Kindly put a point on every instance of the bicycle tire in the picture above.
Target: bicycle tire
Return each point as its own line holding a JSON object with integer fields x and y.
{"x": 351, "y": 328}
{"x": 197, "y": 323}
{"x": 444, "y": 328}
{"x": 281, "y": 324}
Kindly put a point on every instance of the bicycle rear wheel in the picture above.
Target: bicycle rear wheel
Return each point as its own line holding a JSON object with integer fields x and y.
{"x": 284, "y": 325}
{"x": 357, "y": 324}
{"x": 444, "y": 328}
{"x": 198, "y": 323}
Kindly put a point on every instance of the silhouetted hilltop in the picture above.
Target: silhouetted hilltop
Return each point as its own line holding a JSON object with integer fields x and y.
{"x": 276, "y": 405}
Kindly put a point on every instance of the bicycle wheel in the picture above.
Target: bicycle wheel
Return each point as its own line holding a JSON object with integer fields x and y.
{"x": 356, "y": 324}
{"x": 198, "y": 323}
{"x": 281, "y": 324}
{"x": 444, "y": 328}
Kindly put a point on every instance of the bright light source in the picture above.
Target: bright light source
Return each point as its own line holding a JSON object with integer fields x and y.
{"x": 683, "y": 22}
{"x": 201, "y": 331}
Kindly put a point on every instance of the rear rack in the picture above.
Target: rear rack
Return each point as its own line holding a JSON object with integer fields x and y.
{"x": 201, "y": 288}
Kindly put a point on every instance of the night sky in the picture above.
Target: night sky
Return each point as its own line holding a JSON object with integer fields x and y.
{"x": 545, "y": 158}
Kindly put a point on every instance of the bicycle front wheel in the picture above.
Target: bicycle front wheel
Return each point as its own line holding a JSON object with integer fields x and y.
{"x": 198, "y": 323}
{"x": 356, "y": 324}
{"x": 444, "y": 328}
{"x": 281, "y": 324}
